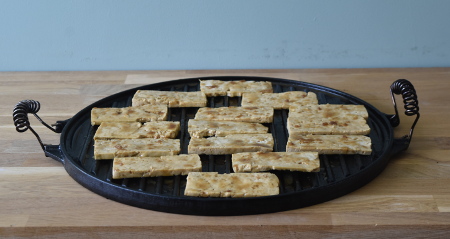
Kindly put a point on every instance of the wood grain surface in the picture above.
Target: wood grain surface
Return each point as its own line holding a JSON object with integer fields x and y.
{"x": 409, "y": 199}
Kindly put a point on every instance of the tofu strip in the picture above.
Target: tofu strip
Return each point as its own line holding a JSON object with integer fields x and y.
{"x": 259, "y": 161}
{"x": 212, "y": 184}
{"x": 135, "y": 167}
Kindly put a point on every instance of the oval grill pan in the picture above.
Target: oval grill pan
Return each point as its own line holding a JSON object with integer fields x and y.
{"x": 339, "y": 174}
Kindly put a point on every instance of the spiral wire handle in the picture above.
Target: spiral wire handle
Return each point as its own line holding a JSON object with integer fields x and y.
{"x": 21, "y": 121}
{"x": 411, "y": 103}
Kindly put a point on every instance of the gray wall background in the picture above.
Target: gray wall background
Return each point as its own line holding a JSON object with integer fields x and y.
{"x": 52, "y": 35}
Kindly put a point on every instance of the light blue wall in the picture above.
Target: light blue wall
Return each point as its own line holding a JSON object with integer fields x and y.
{"x": 227, "y": 34}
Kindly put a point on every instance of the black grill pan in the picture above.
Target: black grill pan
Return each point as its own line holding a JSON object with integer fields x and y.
{"x": 339, "y": 174}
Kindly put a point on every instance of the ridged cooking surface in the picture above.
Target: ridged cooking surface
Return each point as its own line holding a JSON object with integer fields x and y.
{"x": 333, "y": 167}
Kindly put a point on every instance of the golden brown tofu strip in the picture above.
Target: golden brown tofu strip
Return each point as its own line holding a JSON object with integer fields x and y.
{"x": 205, "y": 128}
{"x": 232, "y": 113}
{"x": 212, "y": 184}
{"x": 136, "y": 167}
{"x": 169, "y": 98}
{"x": 322, "y": 126}
{"x": 330, "y": 144}
{"x": 136, "y": 130}
{"x": 232, "y": 144}
{"x": 259, "y": 161}
{"x": 108, "y": 149}
{"x": 143, "y": 113}
{"x": 279, "y": 100}
{"x": 328, "y": 111}
{"x": 234, "y": 88}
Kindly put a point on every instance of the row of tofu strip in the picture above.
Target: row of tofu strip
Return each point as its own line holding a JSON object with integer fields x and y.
{"x": 310, "y": 129}
{"x": 143, "y": 144}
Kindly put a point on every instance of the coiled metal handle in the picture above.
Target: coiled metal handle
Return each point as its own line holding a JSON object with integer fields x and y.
{"x": 21, "y": 121}
{"x": 406, "y": 89}
{"x": 410, "y": 101}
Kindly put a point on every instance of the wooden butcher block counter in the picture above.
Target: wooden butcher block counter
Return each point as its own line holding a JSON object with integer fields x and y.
{"x": 410, "y": 198}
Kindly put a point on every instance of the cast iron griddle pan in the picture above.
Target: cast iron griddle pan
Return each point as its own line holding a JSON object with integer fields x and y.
{"x": 339, "y": 174}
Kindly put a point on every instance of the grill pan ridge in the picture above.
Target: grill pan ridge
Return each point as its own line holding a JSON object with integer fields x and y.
{"x": 339, "y": 174}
